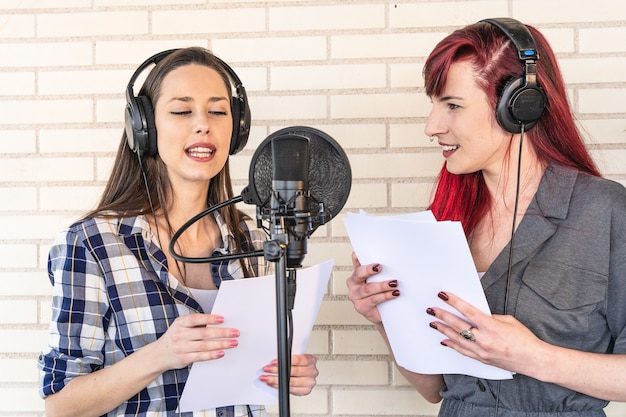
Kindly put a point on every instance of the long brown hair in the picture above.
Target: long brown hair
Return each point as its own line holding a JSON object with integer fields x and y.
{"x": 127, "y": 194}
{"x": 555, "y": 138}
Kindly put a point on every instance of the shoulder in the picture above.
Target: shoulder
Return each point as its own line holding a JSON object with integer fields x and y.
{"x": 98, "y": 231}
{"x": 598, "y": 191}
{"x": 564, "y": 183}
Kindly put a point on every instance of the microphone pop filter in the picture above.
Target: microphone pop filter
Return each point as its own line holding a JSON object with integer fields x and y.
{"x": 330, "y": 176}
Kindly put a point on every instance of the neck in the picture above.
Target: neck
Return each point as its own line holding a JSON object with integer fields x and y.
{"x": 186, "y": 202}
{"x": 502, "y": 184}
{"x": 199, "y": 239}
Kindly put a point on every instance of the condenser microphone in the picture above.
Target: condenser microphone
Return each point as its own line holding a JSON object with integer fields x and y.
{"x": 318, "y": 181}
{"x": 289, "y": 206}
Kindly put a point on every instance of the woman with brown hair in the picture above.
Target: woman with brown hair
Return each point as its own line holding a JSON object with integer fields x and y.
{"x": 126, "y": 324}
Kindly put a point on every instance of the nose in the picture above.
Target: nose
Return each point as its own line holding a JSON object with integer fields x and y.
{"x": 202, "y": 123}
{"x": 434, "y": 126}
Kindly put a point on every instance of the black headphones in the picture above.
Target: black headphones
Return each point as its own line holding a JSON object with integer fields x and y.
{"x": 522, "y": 101}
{"x": 139, "y": 114}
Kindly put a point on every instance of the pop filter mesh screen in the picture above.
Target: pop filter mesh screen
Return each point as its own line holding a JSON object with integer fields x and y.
{"x": 330, "y": 176}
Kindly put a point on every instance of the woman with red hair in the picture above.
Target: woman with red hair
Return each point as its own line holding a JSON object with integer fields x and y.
{"x": 546, "y": 232}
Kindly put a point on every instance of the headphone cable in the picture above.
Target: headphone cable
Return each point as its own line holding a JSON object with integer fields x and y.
{"x": 145, "y": 182}
{"x": 510, "y": 265}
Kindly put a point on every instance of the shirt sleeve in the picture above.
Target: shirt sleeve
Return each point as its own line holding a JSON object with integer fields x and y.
{"x": 616, "y": 293}
{"x": 80, "y": 314}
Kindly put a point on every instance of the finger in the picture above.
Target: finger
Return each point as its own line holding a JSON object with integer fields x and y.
{"x": 355, "y": 261}
{"x": 456, "y": 336}
{"x": 272, "y": 367}
{"x": 304, "y": 366}
{"x": 371, "y": 295}
{"x": 214, "y": 345}
{"x": 303, "y": 374}
{"x": 449, "y": 323}
{"x": 458, "y": 330}
{"x": 467, "y": 310}
{"x": 371, "y": 268}
{"x": 359, "y": 288}
{"x": 204, "y": 355}
{"x": 297, "y": 385}
{"x": 303, "y": 379}
{"x": 270, "y": 379}
{"x": 303, "y": 360}
{"x": 301, "y": 365}
{"x": 212, "y": 332}
{"x": 362, "y": 272}
{"x": 199, "y": 319}
{"x": 303, "y": 387}
{"x": 203, "y": 350}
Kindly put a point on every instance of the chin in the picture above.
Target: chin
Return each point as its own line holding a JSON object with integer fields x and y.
{"x": 454, "y": 169}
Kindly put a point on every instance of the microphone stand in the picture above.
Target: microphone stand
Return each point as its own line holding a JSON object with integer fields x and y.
{"x": 275, "y": 251}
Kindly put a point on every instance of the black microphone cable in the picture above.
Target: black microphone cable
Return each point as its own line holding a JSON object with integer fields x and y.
{"x": 194, "y": 219}
{"x": 510, "y": 264}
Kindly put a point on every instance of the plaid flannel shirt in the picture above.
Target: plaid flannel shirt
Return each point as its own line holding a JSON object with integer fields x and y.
{"x": 112, "y": 295}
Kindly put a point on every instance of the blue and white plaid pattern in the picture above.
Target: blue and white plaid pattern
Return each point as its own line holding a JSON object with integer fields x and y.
{"x": 112, "y": 295}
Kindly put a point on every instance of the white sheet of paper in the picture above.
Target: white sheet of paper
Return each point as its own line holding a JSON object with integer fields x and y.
{"x": 426, "y": 257}
{"x": 249, "y": 305}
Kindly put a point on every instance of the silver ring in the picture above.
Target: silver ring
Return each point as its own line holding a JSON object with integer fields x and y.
{"x": 468, "y": 334}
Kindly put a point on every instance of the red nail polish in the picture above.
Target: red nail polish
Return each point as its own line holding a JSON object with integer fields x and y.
{"x": 395, "y": 293}
{"x": 430, "y": 311}
{"x": 376, "y": 268}
{"x": 393, "y": 284}
{"x": 443, "y": 296}
{"x": 433, "y": 325}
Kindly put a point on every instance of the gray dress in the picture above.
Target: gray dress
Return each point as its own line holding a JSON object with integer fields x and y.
{"x": 568, "y": 286}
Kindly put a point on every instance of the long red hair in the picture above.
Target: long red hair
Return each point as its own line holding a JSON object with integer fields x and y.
{"x": 555, "y": 138}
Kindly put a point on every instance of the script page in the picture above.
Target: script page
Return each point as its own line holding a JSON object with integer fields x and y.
{"x": 426, "y": 257}
{"x": 250, "y": 306}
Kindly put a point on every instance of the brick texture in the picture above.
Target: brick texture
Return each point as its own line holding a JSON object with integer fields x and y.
{"x": 352, "y": 69}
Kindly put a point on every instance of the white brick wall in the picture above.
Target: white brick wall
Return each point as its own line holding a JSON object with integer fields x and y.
{"x": 352, "y": 69}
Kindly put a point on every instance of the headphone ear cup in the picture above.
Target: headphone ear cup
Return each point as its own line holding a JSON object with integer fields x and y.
{"x": 132, "y": 123}
{"x": 149, "y": 146}
{"x": 140, "y": 127}
{"x": 519, "y": 105}
{"x": 241, "y": 125}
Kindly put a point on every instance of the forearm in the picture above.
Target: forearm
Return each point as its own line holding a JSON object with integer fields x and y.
{"x": 598, "y": 375}
{"x": 429, "y": 386}
{"x": 99, "y": 392}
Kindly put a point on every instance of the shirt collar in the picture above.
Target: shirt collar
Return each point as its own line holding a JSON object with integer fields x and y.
{"x": 555, "y": 191}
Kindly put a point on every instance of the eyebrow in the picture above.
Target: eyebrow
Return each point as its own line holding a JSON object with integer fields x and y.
{"x": 447, "y": 98}
{"x": 189, "y": 99}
